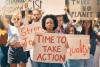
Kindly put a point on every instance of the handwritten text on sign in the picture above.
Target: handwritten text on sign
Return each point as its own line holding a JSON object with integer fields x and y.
{"x": 50, "y": 48}
{"x": 27, "y": 34}
{"x": 48, "y": 6}
{"x": 83, "y": 9}
{"x": 79, "y": 47}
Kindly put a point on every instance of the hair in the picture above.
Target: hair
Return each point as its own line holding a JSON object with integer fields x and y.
{"x": 1, "y": 25}
{"x": 65, "y": 18}
{"x": 53, "y": 18}
{"x": 16, "y": 15}
{"x": 90, "y": 31}
{"x": 68, "y": 27}
{"x": 37, "y": 10}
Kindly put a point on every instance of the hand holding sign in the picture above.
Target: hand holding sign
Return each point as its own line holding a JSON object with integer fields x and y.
{"x": 66, "y": 45}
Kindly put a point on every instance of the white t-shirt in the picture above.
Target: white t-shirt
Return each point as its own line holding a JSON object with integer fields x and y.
{"x": 13, "y": 31}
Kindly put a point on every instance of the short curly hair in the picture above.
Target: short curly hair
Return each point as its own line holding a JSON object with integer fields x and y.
{"x": 53, "y": 17}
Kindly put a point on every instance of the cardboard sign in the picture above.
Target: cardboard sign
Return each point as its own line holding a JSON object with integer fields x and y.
{"x": 55, "y": 7}
{"x": 48, "y": 6}
{"x": 50, "y": 48}
{"x": 10, "y": 6}
{"x": 83, "y": 9}
{"x": 27, "y": 34}
{"x": 79, "y": 47}
{"x": 37, "y": 27}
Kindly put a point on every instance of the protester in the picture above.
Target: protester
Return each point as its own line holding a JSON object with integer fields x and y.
{"x": 87, "y": 29}
{"x": 36, "y": 24}
{"x": 16, "y": 55}
{"x": 11, "y": 45}
{"x": 60, "y": 24}
{"x": 36, "y": 15}
{"x": 49, "y": 24}
{"x": 70, "y": 29}
{"x": 36, "y": 20}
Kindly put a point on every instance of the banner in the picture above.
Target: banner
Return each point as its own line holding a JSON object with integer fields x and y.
{"x": 79, "y": 47}
{"x": 55, "y": 7}
{"x": 83, "y": 9}
{"x": 48, "y": 6}
{"x": 37, "y": 27}
{"x": 50, "y": 48}
{"x": 9, "y": 7}
{"x": 27, "y": 37}
{"x": 27, "y": 34}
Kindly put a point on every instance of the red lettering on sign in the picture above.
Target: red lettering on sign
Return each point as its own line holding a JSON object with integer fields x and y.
{"x": 52, "y": 57}
{"x": 45, "y": 39}
{"x": 82, "y": 49}
{"x": 52, "y": 48}
{"x": 62, "y": 39}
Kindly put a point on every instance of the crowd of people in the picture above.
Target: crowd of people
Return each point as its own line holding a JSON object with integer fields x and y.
{"x": 13, "y": 55}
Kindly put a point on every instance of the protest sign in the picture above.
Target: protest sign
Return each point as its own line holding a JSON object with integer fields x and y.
{"x": 79, "y": 47}
{"x": 37, "y": 27}
{"x": 27, "y": 34}
{"x": 48, "y": 6}
{"x": 83, "y": 9}
{"x": 50, "y": 48}
{"x": 9, "y": 7}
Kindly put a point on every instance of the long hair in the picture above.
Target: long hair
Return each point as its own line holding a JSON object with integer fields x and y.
{"x": 90, "y": 31}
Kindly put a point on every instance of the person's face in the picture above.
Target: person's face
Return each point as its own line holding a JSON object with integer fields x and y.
{"x": 36, "y": 15}
{"x": 71, "y": 30}
{"x": 86, "y": 24}
{"x": 49, "y": 24}
{"x": 60, "y": 20}
{"x": 17, "y": 20}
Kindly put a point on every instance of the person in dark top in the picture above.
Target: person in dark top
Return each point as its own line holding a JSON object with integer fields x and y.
{"x": 87, "y": 29}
